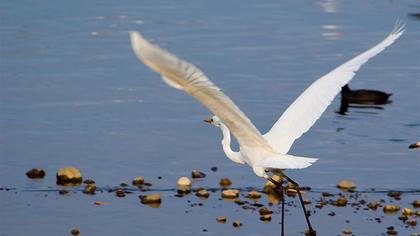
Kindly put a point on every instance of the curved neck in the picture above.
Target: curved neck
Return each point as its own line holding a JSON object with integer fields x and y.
{"x": 234, "y": 156}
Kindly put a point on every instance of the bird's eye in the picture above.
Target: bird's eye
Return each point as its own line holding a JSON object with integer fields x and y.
{"x": 211, "y": 120}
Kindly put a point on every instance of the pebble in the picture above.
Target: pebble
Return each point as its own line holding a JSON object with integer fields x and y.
{"x": 221, "y": 219}
{"x": 416, "y": 203}
{"x": 75, "y": 231}
{"x": 347, "y": 231}
{"x": 340, "y": 202}
{"x": 411, "y": 222}
{"x": 264, "y": 211}
{"x": 417, "y": 213}
{"x": 184, "y": 181}
{"x": 253, "y": 195}
{"x": 224, "y": 182}
{"x": 373, "y": 205}
{"x": 152, "y": 198}
{"x": 100, "y": 203}
{"x": 407, "y": 212}
{"x": 214, "y": 168}
{"x": 346, "y": 184}
{"x": 306, "y": 201}
{"x": 265, "y": 218}
{"x": 327, "y": 194}
{"x": 236, "y": 224}
{"x": 69, "y": 175}
{"x": 195, "y": 174}
{"x": 202, "y": 193}
{"x": 120, "y": 193}
{"x": 89, "y": 189}
{"x": 35, "y": 174}
{"x": 138, "y": 181}
{"x": 391, "y": 208}
{"x": 230, "y": 193}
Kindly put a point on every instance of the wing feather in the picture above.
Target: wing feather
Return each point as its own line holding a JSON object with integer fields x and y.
{"x": 309, "y": 106}
{"x": 184, "y": 76}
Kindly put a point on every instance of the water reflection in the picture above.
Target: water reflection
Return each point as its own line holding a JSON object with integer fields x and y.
{"x": 331, "y": 32}
{"x": 329, "y": 6}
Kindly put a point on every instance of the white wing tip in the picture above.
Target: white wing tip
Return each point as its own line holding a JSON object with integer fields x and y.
{"x": 399, "y": 28}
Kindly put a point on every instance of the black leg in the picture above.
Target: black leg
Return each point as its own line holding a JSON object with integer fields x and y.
{"x": 311, "y": 231}
{"x": 280, "y": 190}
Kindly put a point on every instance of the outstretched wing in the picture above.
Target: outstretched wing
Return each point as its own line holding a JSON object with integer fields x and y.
{"x": 308, "y": 107}
{"x": 182, "y": 75}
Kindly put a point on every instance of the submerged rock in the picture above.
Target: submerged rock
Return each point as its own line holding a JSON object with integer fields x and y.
{"x": 138, "y": 181}
{"x": 224, "y": 182}
{"x": 214, "y": 168}
{"x": 346, "y": 184}
{"x": 89, "y": 181}
{"x": 253, "y": 195}
{"x": 195, "y": 174}
{"x": 69, "y": 175}
{"x": 230, "y": 193}
{"x": 35, "y": 174}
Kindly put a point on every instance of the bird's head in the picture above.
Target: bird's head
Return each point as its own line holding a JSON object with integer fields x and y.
{"x": 214, "y": 121}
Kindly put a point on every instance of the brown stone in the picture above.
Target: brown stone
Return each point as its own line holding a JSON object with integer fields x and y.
{"x": 89, "y": 189}
{"x": 340, "y": 202}
{"x": 230, "y": 193}
{"x": 195, "y": 174}
{"x": 347, "y": 231}
{"x": 221, "y": 219}
{"x": 265, "y": 218}
{"x": 265, "y": 211}
{"x": 253, "y": 195}
{"x": 35, "y": 174}
{"x": 138, "y": 181}
{"x": 224, "y": 182}
{"x": 69, "y": 175}
{"x": 120, "y": 192}
{"x": 407, "y": 212}
{"x": 391, "y": 208}
{"x": 373, "y": 205}
{"x": 75, "y": 232}
{"x": 416, "y": 203}
{"x": 152, "y": 198}
{"x": 346, "y": 184}
{"x": 202, "y": 193}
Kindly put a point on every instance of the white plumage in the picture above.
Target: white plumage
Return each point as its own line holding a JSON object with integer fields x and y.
{"x": 266, "y": 152}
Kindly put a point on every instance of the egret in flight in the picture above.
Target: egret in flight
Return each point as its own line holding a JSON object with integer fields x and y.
{"x": 266, "y": 154}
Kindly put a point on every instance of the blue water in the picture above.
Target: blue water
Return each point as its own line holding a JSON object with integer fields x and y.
{"x": 73, "y": 93}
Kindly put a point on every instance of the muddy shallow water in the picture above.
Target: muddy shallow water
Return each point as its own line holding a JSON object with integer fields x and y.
{"x": 73, "y": 93}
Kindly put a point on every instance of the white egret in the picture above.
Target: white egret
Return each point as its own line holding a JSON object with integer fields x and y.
{"x": 263, "y": 153}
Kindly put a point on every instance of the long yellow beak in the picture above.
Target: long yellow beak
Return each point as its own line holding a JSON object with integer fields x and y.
{"x": 209, "y": 120}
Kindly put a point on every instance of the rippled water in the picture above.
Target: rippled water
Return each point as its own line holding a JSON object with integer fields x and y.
{"x": 73, "y": 93}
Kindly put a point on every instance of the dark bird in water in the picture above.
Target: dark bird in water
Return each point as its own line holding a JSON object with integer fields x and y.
{"x": 364, "y": 96}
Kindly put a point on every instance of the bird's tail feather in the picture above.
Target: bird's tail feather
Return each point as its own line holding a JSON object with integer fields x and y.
{"x": 287, "y": 162}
